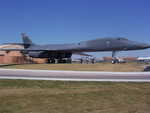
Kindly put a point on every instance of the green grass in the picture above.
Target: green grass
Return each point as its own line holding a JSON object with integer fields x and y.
{"x": 25, "y": 96}
{"x": 126, "y": 67}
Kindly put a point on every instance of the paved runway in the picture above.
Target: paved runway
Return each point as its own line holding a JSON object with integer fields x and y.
{"x": 74, "y": 75}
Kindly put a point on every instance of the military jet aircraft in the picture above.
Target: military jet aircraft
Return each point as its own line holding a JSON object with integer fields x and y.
{"x": 61, "y": 51}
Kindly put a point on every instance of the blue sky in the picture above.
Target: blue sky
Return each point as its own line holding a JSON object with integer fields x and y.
{"x": 68, "y": 21}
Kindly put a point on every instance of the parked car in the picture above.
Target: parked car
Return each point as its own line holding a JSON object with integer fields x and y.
{"x": 147, "y": 68}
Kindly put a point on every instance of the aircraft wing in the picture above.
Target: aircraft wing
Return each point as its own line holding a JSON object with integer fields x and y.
{"x": 9, "y": 49}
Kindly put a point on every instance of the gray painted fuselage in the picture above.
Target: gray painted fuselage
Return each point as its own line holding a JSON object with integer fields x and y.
{"x": 103, "y": 44}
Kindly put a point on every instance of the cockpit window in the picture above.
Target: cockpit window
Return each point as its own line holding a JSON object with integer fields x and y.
{"x": 120, "y": 38}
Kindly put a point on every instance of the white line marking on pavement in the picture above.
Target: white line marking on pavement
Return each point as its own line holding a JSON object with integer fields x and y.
{"x": 62, "y": 79}
{"x": 78, "y": 72}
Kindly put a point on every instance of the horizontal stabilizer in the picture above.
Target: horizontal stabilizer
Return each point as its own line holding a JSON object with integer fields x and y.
{"x": 14, "y": 43}
{"x": 3, "y": 49}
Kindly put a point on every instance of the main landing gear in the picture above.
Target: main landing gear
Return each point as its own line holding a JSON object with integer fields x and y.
{"x": 114, "y": 58}
{"x": 61, "y": 60}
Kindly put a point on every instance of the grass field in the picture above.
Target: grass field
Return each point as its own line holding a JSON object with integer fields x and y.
{"x": 24, "y": 96}
{"x": 133, "y": 67}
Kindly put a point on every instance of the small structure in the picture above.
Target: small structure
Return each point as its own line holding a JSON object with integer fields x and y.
{"x": 121, "y": 59}
{"x": 16, "y": 57}
{"x": 130, "y": 59}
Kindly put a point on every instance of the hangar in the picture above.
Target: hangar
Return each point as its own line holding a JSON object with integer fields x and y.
{"x": 16, "y": 57}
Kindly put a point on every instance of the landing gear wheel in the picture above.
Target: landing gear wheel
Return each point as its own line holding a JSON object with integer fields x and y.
{"x": 113, "y": 61}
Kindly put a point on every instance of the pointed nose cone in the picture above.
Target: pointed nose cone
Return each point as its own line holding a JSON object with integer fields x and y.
{"x": 147, "y": 45}
{"x": 144, "y": 45}
{"x": 133, "y": 45}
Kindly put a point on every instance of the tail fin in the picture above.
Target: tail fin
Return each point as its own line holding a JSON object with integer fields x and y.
{"x": 26, "y": 41}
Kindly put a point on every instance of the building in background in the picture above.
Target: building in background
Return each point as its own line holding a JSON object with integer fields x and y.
{"x": 121, "y": 59}
{"x": 16, "y": 57}
{"x": 144, "y": 59}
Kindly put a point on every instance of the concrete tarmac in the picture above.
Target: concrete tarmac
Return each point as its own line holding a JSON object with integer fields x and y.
{"x": 74, "y": 75}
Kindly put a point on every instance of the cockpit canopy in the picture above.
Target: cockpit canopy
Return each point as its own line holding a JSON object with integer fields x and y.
{"x": 121, "y": 38}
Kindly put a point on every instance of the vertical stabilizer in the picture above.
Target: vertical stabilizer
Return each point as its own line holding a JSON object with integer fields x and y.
{"x": 26, "y": 40}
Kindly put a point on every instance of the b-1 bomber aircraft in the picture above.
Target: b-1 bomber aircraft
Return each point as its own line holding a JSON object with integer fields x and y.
{"x": 60, "y": 51}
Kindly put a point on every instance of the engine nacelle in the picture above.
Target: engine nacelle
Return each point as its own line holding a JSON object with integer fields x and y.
{"x": 54, "y": 55}
{"x": 38, "y": 54}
